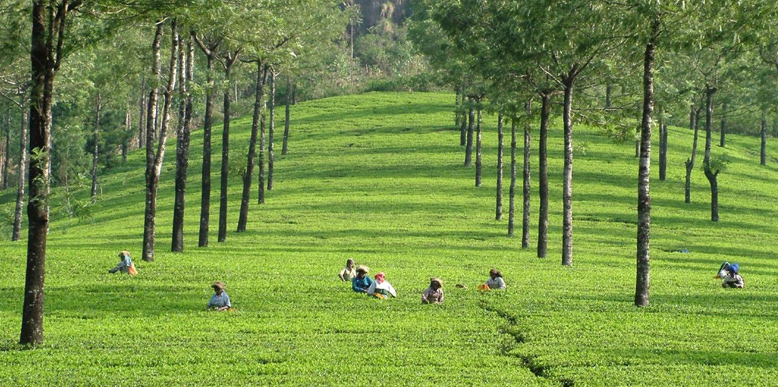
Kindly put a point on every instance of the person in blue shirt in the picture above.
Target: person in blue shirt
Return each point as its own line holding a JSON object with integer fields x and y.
{"x": 219, "y": 301}
{"x": 362, "y": 281}
{"x": 124, "y": 265}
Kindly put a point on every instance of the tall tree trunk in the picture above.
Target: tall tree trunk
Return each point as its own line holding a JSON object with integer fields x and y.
{"x": 695, "y": 125}
{"x": 252, "y": 155}
{"x": 261, "y": 158}
{"x": 6, "y": 151}
{"x": 48, "y": 24}
{"x": 545, "y": 108}
{"x": 662, "y": 150}
{"x": 127, "y": 135}
{"x": 478, "y": 147}
{"x": 567, "y": 176}
{"x": 763, "y": 148}
{"x": 184, "y": 133}
{"x": 722, "y": 141}
{"x": 710, "y": 174}
{"x": 642, "y": 283}
{"x": 152, "y": 174}
{"x": 469, "y": 140}
{"x": 96, "y": 146}
{"x": 143, "y": 113}
{"x": 457, "y": 105}
{"x": 151, "y": 121}
{"x": 287, "y": 113}
{"x": 205, "y": 192}
{"x": 526, "y": 179}
{"x": 512, "y": 192}
{"x": 498, "y": 205}
{"x": 17, "y": 228}
{"x": 463, "y": 119}
{"x": 271, "y": 157}
{"x": 229, "y": 61}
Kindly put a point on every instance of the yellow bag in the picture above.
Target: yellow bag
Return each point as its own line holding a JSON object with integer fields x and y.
{"x": 484, "y": 287}
{"x": 132, "y": 270}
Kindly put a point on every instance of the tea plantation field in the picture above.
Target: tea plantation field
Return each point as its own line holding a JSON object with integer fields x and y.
{"x": 379, "y": 177}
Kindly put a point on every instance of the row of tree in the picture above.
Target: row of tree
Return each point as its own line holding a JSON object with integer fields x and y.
{"x": 519, "y": 57}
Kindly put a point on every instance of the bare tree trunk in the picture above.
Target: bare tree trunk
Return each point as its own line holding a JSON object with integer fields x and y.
{"x": 463, "y": 119}
{"x": 498, "y": 205}
{"x": 695, "y": 124}
{"x": 127, "y": 135}
{"x": 512, "y": 193}
{"x": 271, "y": 157}
{"x": 96, "y": 146}
{"x": 662, "y": 150}
{"x": 151, "y": 121}
{"x": 44, "y": 61}
{"x": 457, "y": 106}
{"x": 722, "y": 140}
{"x": 248, "y": 174}
{"x": 287, "y": 113}
{"x": 567, "y": 179}
{"x": 143, "y": 113}
{"x": 21, "y": 178}
{"x": 526, "y": 179}
{"x": 6, "y": 151}
{"x": 469, "y": 141}
{"x": 184, "y": 132}
{"x": 229, "y": 61}
{"x": 478, "y": 147}
{"x": 710, "y": 174}
{"x": 642, "y": 282}
{"x": 261, "y": 158}
{"x": 154, "y": 170}
{"x": 543, "y": 176}
{"x": 205, "y": 192}
{"x": 763, "y": 151}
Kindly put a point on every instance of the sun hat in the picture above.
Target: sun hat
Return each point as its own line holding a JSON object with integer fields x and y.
{"x": 219, "y": 285}
{"x": 363, "y": 269}
{"x": 438, "y": 280}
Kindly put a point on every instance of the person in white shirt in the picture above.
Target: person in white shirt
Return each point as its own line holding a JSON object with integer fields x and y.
{"x": 495, "y": 280}
{"x": 381, "y": 288}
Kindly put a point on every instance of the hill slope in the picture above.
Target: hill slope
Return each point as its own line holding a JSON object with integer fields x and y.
{"x": 378, "y": 177}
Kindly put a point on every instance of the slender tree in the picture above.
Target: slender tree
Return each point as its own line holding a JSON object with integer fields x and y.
{"x": 154, "y": 167}
{"x": 248, "y": 174}
{"x": 526, "y": 192}
{"x": 183, "y": 133}
{"x": 287, "y": 113}
{"x": 271, "y": 129}
{"x": 498, "y": 205}
{"x": 96, "y": 146}
{"x": 17, "y": 227}
{"x": 230, "y": 58}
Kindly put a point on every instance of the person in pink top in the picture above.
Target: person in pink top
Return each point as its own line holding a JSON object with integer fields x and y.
{"x": 434, "y": 293}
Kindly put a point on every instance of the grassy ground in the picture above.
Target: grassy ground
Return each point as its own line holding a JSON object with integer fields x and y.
{"x": 379, "y": 177}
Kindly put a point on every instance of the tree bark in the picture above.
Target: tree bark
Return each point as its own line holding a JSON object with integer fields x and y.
{"x": 763, "y": 151}
{"x": 498, "y": 204}
{"x": 261, "y": 158}
{"x": 153, "y": 173}
{"x": 287, "y": 113}
{"x": 543, "y": 176}
{"x": 205, "y": 192}
{"x": 463, "y": 119}
{"x": 469, "y": 140}
{"x": 151, "y": 121}
{"x": 184, "y": 133}
{"x": 252, "y": 155}
{"x": 642, "y": 283}
{"x": 229, "y": 61}
{"x": 457, "y": 106}
{"x": 143, "y": 113}
{"x": 47, "y": 38}
{"x": 96, "y": 146}
{"x": 662, "y": 150}
{"x": 710, "y": 174}
{"x": 695, "y": 125}
{"x": 567, "y": 178}
{"x": 478, "y": 147}
{"x": 127, "y": 138}
{"x": 271, "y": 157}
{"x": 17, "y": 228}
{"x": 512, "y": 192}
{"x": 526, "y": 178}
{"x": 6, "y": 151}
{"x": 722, "y": 140}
